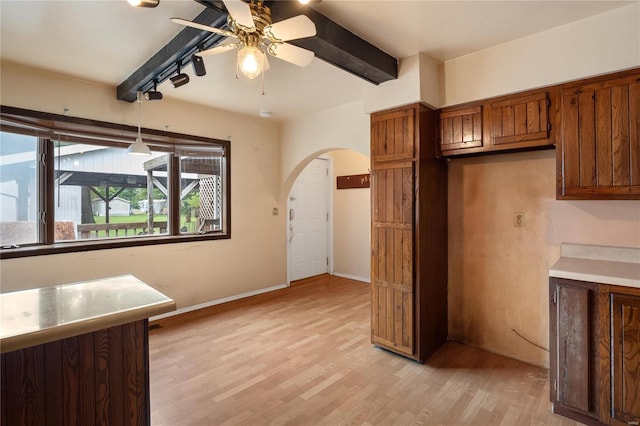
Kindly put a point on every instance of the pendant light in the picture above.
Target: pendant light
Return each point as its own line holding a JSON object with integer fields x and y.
{"x": 139, "y": 147}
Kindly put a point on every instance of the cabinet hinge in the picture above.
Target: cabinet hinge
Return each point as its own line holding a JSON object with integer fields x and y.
{"x": 548, "y": 102}
{"x": 555, "y": 297}
{"x": 548, "y": 126}
{"x": 555, "y": 385}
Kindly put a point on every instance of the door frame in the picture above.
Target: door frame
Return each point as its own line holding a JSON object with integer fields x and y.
{"x": 329, "y": 190}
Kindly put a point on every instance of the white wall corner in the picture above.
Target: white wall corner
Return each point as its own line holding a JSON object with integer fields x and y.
{"x": 431, "y": 81}
{"x": 401, "y": 91}
{"x": 420, "y": 79}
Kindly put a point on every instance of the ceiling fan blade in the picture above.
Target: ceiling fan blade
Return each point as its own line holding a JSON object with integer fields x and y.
{"x": 293, "y": 28}
{"x": 240, "y": 12}
{"x": 202, "y": 27}
{"x": 221, "y": 48}
{"x": 290, "y": 53}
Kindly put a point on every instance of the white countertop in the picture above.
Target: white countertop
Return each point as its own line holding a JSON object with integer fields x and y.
{"x": 33, "y": 317}
{"x": 599, "y": 264}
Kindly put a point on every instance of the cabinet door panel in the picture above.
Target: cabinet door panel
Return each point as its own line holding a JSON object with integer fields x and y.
{"x": 620, "y": 134}
{"x": 634, "y": 132}
{"x": 520, "y": 119}
{"x": 393, "y": 135}
{"x": 461, "y": 129}
{"x": 573, "y": 347}
{"x": 392, "y": 256}
{"x": 600, "y": 146}
{"x": 625, "y": 357}
{"x": 604, "y": 156}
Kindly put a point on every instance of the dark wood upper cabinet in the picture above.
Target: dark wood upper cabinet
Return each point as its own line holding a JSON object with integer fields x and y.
{"x": 520, "y": 120}
{"x": 599, "y": 154}
{"x": 507, "y": 123}
{"x": 393, "y": 135}
{"x": 409, "y": 233}
{"x": 461, "y": 129}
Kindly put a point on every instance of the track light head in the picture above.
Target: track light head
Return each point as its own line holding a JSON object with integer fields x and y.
{"x": 153, "y": 95}
{"x": 144, "y": 3}
{"x": 179, "y": 80}
{"x": 198, "y": 65}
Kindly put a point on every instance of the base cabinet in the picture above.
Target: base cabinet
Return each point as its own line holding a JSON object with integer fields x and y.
{"x": 595, "y": 352}
{"x": 625, "y": 358}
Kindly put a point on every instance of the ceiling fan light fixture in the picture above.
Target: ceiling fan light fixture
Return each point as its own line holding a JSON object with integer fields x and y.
{"x": 251, "y": 61}
{"x": 144, "y": 3}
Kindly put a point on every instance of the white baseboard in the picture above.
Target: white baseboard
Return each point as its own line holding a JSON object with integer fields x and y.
{"x": 352, "y": 277}
{"x": 218, "y": 302}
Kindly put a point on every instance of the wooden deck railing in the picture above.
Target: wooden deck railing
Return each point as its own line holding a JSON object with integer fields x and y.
{"x": 108, "y": 230}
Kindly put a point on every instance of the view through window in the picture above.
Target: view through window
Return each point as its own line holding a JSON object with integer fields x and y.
{"x": 64, "y": 189}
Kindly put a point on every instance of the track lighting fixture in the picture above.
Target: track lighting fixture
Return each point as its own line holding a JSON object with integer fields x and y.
{"x": 198, "y": 65}
{"x": 153, "y": 95}
{"x": 139, "y": 147}
{"x": 144, "y": 3}
{"x": 180, "y": 79}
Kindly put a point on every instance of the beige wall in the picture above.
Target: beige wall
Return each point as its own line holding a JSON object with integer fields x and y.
{"x": 498, "y": 274}
{"x": 306, "y": 138}
{"x": 351, "y": 219}
{"x": 596, "y": 45}
{"x": 191, "y": 273}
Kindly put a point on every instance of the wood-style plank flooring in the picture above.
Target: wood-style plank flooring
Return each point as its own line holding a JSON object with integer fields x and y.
{"x": 302, "y": 356}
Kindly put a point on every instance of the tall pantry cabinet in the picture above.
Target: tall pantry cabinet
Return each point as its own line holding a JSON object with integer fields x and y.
{"x": 409, "y": 232}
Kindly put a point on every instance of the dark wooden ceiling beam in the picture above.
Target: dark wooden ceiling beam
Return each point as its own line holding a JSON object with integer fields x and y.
{"x": 339, "y": 46}
{"x": 333, "y": 44}
{"x": 163, "y": 64}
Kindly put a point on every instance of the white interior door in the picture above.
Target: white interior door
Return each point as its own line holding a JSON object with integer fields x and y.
{"x": 308, "y": 217}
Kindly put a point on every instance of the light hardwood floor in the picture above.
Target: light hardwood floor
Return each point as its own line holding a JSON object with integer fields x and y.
{"x": 302, "y": 356}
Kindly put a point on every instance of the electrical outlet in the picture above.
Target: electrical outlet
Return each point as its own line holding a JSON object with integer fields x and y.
{"x": 518, "y": 219}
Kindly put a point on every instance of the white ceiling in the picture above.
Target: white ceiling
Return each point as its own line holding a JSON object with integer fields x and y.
{"x": 107, "y": 40}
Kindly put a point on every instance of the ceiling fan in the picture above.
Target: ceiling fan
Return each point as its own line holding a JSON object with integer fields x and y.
{"x": 253, "y": 34}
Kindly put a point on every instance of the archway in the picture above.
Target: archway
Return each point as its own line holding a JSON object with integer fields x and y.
{"x": 348, "y": 218}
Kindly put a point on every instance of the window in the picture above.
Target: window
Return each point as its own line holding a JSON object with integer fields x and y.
{"x": 68, "y": 184}
{"x": 18, "y": 189}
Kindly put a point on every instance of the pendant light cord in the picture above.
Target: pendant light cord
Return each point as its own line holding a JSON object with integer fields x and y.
{"x": 138, "y": 100}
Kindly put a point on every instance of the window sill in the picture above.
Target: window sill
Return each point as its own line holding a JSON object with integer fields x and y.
{"x": 81, "y": 246}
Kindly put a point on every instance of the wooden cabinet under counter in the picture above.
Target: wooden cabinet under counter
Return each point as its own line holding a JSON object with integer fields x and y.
{"x": 594, "y": 335}
{"x": 78, "y": 353}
